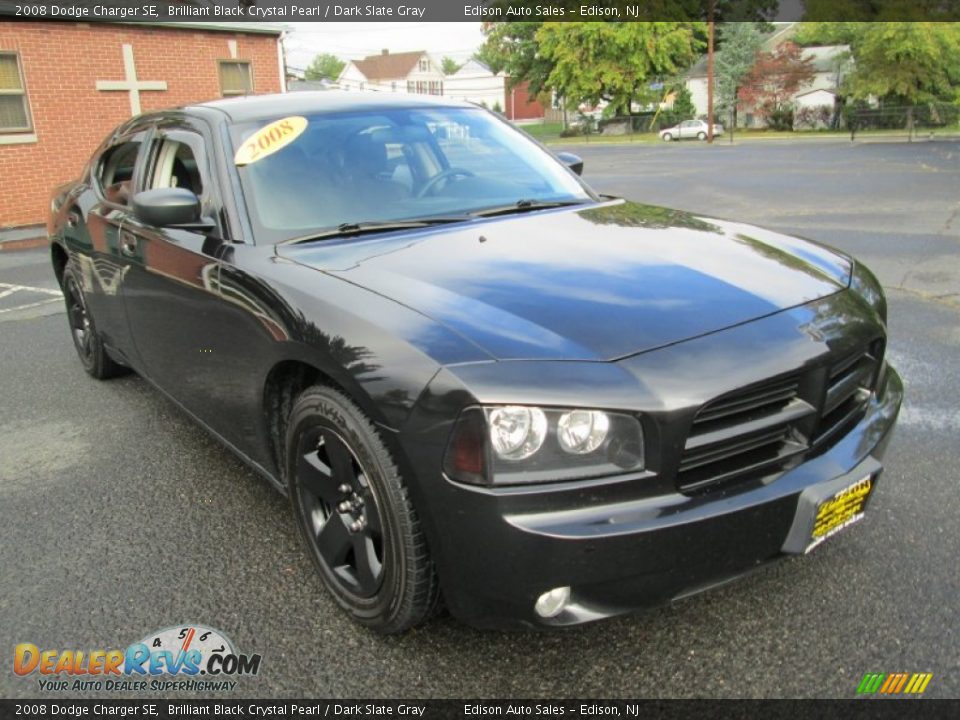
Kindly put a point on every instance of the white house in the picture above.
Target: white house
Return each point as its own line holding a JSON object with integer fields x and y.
{"x": 475, "y": 82}
{"x": 407, "y": 72}
{"x": 829, "y": 65}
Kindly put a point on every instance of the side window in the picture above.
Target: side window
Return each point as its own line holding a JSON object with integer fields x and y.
{"x": 115, "y": 172}
{"x": 176, "y": 166}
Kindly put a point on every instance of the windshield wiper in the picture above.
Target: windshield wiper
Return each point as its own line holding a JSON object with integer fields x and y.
{"x": 525, "y": 206}
{"x": 350, "y": 229}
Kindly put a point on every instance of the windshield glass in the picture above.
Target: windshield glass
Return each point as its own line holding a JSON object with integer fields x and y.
{"x": 393, "y": 164}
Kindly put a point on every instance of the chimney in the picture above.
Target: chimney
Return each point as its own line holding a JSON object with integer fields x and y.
{"x": 385, "y": 51}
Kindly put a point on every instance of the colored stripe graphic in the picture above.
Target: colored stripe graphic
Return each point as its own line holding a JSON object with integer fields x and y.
{"x": 894, "y": 683}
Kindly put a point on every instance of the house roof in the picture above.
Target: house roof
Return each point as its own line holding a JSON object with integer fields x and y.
{"x": 817, "y": 90}
{"x": 389, "y": 66}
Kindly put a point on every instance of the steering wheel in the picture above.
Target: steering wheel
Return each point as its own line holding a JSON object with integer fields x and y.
{"x": 451, "y": 172}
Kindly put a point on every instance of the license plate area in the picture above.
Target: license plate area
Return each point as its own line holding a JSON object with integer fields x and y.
{"x": 840, "y": 511}
{"x": 824, "y": 509}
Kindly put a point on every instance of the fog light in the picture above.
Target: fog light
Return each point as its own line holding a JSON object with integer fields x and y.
{"x": 552, "y": 602}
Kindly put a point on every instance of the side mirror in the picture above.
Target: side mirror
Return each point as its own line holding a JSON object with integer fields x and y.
{"x": 574, "y": 162}
{"x": 167, "y": 207}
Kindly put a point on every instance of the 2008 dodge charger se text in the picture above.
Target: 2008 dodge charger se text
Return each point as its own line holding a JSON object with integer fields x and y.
{"x": 474, "y": 376}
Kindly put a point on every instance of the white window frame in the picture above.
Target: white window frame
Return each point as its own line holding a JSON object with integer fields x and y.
{"x": 22, "y": 92}
{"x": 235, "y": 61}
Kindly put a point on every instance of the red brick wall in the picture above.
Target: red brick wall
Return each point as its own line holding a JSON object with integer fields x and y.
{"x": 61, "y": 63}
{"x": 520, "y": 104}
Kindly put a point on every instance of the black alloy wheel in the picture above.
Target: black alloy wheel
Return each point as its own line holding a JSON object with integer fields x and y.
{"x": 355, "y": 514}
{"x": 342, "y": 509}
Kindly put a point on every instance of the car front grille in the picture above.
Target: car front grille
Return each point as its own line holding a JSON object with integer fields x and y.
{"x": 848, "y": 389}
{"x": 757, "y": 430}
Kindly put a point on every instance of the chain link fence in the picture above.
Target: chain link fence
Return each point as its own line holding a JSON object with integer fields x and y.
{"x": 908, "y": 121}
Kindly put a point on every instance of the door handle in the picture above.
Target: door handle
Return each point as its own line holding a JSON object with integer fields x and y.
{"x": 128, "y": 243}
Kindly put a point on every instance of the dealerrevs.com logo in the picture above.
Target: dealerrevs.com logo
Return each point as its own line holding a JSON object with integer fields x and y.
{"x": 187, "y": 657}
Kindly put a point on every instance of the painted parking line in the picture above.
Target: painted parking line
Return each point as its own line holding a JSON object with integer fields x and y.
{"x": 9, "y": 289}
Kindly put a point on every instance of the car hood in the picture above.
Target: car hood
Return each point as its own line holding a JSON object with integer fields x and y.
{"x": 601, "y": 283}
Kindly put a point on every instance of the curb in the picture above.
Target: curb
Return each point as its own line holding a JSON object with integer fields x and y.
{"x": 24, "y": 237}
{"x": 26, "y": 244}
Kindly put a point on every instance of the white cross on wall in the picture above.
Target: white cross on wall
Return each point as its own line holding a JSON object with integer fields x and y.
{"x": 130, "y": 83}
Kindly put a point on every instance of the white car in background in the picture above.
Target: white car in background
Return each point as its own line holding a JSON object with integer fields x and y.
{"x": 688, "y": 130}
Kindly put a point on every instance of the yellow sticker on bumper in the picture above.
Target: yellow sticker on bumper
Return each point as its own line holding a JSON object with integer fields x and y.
{"x": 843, "y": 509}
{"x": 270, "y": 138}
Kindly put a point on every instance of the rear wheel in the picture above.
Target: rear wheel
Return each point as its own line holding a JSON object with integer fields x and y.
{"x": 355, "y": 514}
{"x": 83, "y": 330}
{"x": 701, "y": 136}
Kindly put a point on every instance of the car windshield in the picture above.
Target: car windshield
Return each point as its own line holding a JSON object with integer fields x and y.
{"x": 396, "y": 164}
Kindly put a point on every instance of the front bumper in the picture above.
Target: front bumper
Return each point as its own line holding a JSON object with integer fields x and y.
{"x": 502, "y": 549}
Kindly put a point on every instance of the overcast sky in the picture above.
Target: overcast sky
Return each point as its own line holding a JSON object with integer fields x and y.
{"x": 352, "y": 40}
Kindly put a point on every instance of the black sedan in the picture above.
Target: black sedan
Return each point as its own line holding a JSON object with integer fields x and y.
{"x": 475, "y": 377}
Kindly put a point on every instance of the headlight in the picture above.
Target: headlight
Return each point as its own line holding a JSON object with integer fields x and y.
{"x": 516, "y": 432}
{"x": 516, "y": 444}
{"x": 582, "y": 431}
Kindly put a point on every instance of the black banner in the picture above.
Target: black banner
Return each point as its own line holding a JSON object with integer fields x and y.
{"x": 284, "y": 11}
{"x": 590, "y": 709}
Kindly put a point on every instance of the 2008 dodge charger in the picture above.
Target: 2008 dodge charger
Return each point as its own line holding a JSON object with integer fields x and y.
{"x": 473, "y": 375}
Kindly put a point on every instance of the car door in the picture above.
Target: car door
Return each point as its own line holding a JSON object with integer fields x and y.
{"x": 115, "y": 177}
{"x": 687, "y": 128}
{"x": 174, "y": 308}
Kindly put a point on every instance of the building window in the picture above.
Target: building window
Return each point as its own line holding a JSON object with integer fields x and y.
{"x": 411, "y": 88}
{"x": 235, "y": 77}
{"x": 14, "y": 106}
{"x": 393, "y": 87}
{"x": 424, "y": 65}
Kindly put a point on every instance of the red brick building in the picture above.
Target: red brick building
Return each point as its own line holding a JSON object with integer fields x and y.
{"x": 64, "y": 86}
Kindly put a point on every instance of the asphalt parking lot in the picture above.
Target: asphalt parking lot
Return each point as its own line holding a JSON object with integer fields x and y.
{"x": 118, "y": 516}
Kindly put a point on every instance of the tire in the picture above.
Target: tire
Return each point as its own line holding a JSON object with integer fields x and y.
{"x": 701, "y": 136}
{"x": 355, "y": 514}
{"x": 86, "y": 340}
{"x": 667, "y": 137}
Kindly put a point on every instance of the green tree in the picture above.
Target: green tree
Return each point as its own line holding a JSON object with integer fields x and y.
{"x": 914, "y": 62}
{"x": 740, "y": 44}
{"x": 615, "y": 61}
{"x": 910, "y": 62}
{"x": 324, "y": 66}
{"x": 683, "y": 107}
{"x": 449, "y": 66}
{"x": 513, "y": 48}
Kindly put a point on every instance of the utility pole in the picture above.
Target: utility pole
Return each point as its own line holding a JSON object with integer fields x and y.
{"x": 710, "y": 72}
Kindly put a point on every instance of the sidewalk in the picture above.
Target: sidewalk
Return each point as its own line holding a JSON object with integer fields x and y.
{"x": 23, "y": 238}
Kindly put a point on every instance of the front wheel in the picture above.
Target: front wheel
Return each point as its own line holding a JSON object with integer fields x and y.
{"x": 355, "y": 514}
{"x": 667, "y": 137}
{"x": 701, "y": 136}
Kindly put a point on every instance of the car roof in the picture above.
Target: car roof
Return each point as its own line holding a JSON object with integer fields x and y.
{"x": 258, "y": 107}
